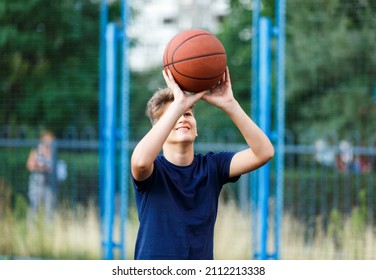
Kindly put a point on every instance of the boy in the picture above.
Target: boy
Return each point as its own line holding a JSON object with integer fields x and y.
{"x": 177, "y": 193}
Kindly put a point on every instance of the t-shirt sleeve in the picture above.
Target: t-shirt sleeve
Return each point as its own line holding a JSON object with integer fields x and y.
{"x": 144, "y": 184}
{"x": 223, "y": 163}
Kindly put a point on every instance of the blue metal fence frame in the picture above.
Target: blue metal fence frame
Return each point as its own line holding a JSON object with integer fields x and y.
{"x": 261, "y": 98}
{"x": 280, "y": 122}
{"x": 111, "y": 35}
{"x": 109, "y": 143}
{"x": 125, "y": 101}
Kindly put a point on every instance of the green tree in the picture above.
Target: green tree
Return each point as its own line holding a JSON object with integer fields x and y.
{"x": 330, "y": 66}
{"x": 49, "y": 62}
{"x": 330, "y": 62}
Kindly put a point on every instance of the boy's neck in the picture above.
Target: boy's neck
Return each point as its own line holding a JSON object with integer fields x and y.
{"x": 181, "y": 155}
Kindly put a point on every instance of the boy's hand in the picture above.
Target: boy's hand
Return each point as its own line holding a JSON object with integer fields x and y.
{"x": 221, "y": 95}
{"x": 182, "y": 98}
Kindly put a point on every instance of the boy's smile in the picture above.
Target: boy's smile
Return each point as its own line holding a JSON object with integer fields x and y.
{"x": 185, "y": 128}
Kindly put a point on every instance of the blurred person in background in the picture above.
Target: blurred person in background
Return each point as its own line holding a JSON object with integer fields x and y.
{"x": 40, "y": 164}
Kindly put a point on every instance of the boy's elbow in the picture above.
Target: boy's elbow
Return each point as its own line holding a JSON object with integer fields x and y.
{"x": 272, "y": 152}
{"x": 138, "y": 164}
{"x": 269, "y": 153}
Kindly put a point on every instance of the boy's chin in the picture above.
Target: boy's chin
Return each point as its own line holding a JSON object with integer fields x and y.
{"x": 184, "y": 139}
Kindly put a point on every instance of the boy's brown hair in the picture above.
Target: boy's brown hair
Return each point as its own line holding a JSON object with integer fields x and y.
{"x": 157, "y": 103}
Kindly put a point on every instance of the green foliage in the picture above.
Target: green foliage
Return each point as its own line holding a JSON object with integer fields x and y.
{"x": 335, "y": 228}
{"x": 330, "y": 65}
{"x": 49, "y": 64}
{"x": 20, "y": 207}
{"x": 358, "y": 224}
{"x": 330, "y": 62}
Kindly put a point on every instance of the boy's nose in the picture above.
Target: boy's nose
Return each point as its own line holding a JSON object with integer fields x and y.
{"x": 182, "y": 119}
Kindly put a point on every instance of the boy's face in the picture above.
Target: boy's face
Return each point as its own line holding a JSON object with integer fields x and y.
{"x": 185, "y": 129}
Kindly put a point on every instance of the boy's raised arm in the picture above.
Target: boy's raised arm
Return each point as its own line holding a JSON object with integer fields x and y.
{"x": 260, "y": 148}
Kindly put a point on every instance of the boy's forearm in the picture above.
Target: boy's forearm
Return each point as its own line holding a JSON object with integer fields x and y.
{"x": 253, "y": 135}
{"x": 151, "y": 144}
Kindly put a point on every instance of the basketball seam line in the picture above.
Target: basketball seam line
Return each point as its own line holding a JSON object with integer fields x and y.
{"x": 189, "y": 38}
{"x": 196, "y": 78}
{"x": 201, "y": 56}
{"x": 179, "y": 45}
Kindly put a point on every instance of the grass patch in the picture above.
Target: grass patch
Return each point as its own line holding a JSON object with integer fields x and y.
{"x": 75, "y": 234}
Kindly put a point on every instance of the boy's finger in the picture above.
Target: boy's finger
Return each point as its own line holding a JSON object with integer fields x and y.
{"x": 165, "y": 75}
{"x": 201, "y": 94}
{"x": 170, "y": 75}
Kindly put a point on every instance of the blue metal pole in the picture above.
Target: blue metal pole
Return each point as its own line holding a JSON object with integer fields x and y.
{"x": 280, "y": 69}
{"x": 255, "y": 58}
{"x": 264, "y": 123}
{"x": 102, "y": 93}
{"x": 254, "y": 113}
{"x": 125, "y": 100}
{"x": 109, "y": 131}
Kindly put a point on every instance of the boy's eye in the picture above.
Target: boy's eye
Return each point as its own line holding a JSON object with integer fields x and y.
{"x": 187, "y": 114}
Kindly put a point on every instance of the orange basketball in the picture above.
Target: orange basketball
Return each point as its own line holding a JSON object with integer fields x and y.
{"x": 196, "y": 59}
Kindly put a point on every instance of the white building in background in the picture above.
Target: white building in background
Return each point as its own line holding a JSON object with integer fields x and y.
{"x": 156, "y": 21}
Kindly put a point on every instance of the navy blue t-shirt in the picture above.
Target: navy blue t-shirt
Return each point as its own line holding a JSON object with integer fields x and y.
{"x": 177, "y": 207}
